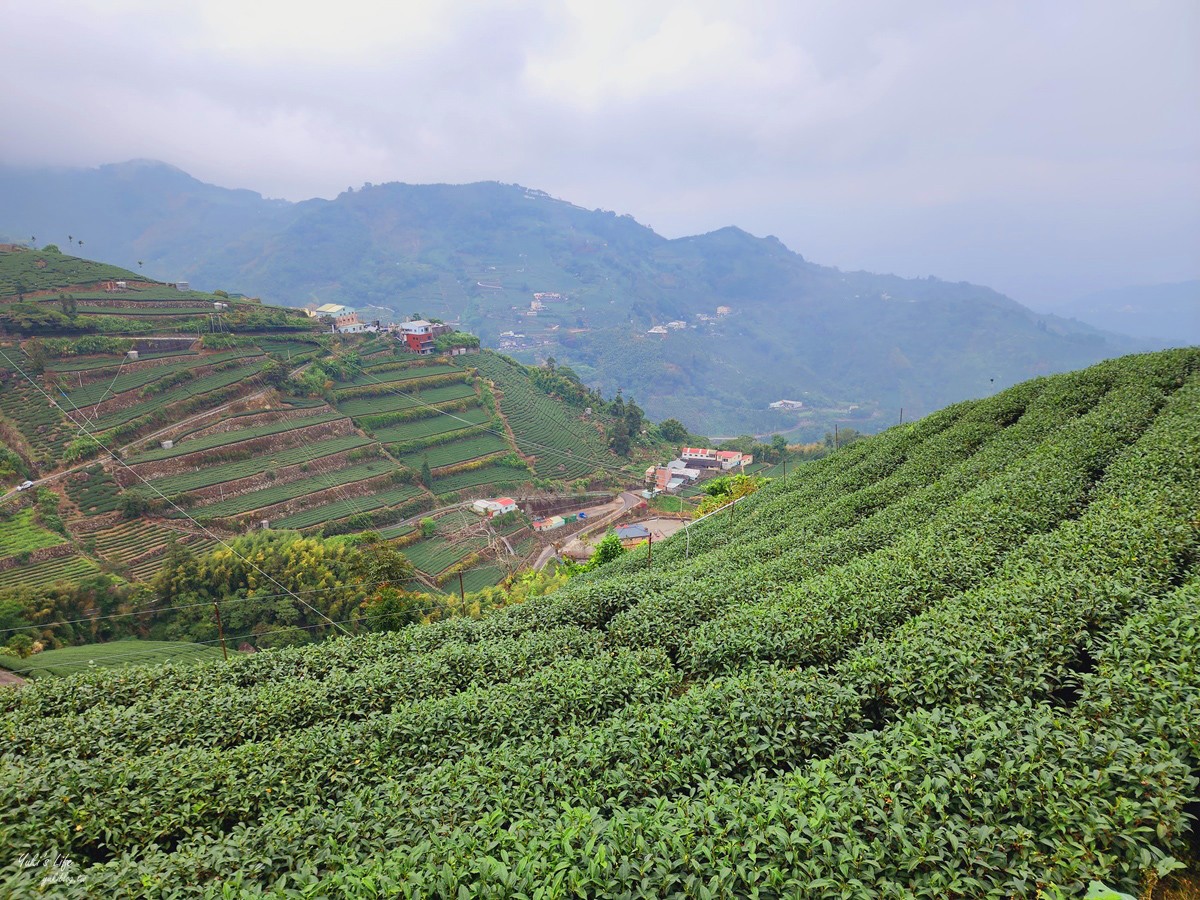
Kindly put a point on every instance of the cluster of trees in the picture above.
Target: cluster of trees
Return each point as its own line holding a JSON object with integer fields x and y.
{"x": 628, "y": 420}
{"x": 444, "y": 342}
{"x": 563, "y": 382}
{"x": 273, "y": 589}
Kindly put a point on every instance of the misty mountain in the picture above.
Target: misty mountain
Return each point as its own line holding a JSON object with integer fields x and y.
{"x": 1165, "y": 314}
{"x": 709, "y": 329}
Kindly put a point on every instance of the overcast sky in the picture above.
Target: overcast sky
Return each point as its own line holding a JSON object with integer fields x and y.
{"x": 1045, "y": 149}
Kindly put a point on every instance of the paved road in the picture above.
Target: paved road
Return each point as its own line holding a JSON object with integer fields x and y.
{"x": 613, "y": 511}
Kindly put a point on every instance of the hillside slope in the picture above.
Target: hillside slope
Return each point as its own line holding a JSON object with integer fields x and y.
{"x": 848, "y": 344}
{"x": 95, "y": 359}
{"x": 958, "y": 659}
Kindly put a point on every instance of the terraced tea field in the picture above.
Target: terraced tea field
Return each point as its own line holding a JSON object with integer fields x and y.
{"x": 279, "y": 493}
{"x": 330, "y": 512}
{"x": 433, "y": 556}
{"x": 456, "y": 452}
{"x": 129, "y": 540}
{"x": 411, "y": 399}
{"x": 92, "y": 363}
{"x": 378, "y": 375}
{"x": 179, "y": 395}
{"x": 145, "y": 569}
{"x": 432, "y": 426}
{"x": 40, "y": 574}
{"x": 115, "y": 654}
{"x": 565, "y": 446}
{"x": 220, "y": 474}
{"x": 226, "y": 438}
{"x": 21, "y": 534}
{"x": 475, "y": 478}
{"x": 94, "y": 491}
{"x": 476, "y": 579}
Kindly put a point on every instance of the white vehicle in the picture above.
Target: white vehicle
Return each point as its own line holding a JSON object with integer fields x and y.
{"x": 24, "y": 485}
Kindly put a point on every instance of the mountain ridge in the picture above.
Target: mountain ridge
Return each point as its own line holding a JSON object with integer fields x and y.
{"x": 477, "y": 253}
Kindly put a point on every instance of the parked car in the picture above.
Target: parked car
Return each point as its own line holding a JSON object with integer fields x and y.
{"x": 24, "y": 485}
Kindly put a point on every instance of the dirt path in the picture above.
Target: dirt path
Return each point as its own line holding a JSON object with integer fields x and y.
{"x": 8, "y": 678}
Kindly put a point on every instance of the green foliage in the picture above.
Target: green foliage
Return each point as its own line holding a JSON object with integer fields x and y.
{"x": 672, "y": 431}
{"x": 444, "y": 342}
{"x": 959, "y": 659}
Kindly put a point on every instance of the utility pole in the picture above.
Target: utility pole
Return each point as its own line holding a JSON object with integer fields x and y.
{"x": 462, "y": 596}
{"x": 221, "y": 631}
{"x": 650, "y": 552}
{"x": 902, "y": 415}
{"x": 835, "y": 436}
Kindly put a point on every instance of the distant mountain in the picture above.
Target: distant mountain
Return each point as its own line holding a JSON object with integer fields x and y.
{"x": 1165, "y": 313}
{"x": 627, "y": 308}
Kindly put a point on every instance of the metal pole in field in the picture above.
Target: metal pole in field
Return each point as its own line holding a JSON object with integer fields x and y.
{"x": 461, "y": 593}
{"x": 835, "y": 436}
{"x": 221, "y": 631}
{"x": 902, "y": 415}
{"x": 650, "y": 551}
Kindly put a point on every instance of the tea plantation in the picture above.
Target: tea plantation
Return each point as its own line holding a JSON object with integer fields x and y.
{"x": 960, "y": 659}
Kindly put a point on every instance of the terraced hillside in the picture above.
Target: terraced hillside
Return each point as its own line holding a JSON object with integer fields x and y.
{"x": 960, "y": 659}
{"x": 48, "y": 292}
{"x": 561, "y": 441}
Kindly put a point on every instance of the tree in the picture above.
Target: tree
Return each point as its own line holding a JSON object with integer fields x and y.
{"x": 428, "y": 527}
{"x": 133, "y": 505}
{"x": 36, "y": 351}
{"x": 20, "y": 645}
{"x": 633, "y": 418}
{"x": 619, "y": 442}
{"x": 607, "y": 550}
{"x": 426, "y": 474}
{"x": 779, "y": 446}
{"x": 673, "y": 430}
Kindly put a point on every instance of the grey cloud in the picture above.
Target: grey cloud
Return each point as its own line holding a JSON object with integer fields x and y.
{"x": 1047, "y": 150}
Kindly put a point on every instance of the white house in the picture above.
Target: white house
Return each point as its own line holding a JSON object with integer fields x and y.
{"x": 698, "y": 454}
{"x": 493, "y": 508}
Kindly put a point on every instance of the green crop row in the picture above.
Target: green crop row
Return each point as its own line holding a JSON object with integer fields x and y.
{"x": 289, "y": 491}
{"x": 416, "y": 397}
{"x": 375, "y": 376}
{"x": 434, "y": 425}
{"x": 438, "y": 554}
{"x": 349, "y": 507}
{"x": 456, "y": 452}
{"x": 221, "y": 439}
{"x": 21, "y": 534}
{"x": 474, "y": 478}
{"x": 220, "y": 474}
{"x": 958, "y": 659}
{"x": 127, "y": 381}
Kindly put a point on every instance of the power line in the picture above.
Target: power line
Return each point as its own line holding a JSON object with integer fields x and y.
{"x": 183, "y": 512}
